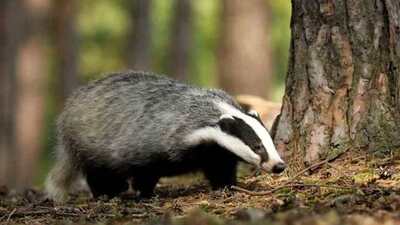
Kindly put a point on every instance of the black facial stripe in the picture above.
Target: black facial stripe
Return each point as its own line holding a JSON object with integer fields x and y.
{"x": 240, "y": 129}
{"x": 243, "y": 130}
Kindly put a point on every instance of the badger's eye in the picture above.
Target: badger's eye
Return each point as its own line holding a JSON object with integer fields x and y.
{"x": 258, "y": 147}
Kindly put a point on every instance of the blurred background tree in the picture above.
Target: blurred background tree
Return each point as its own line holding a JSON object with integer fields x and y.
{"x": 181, "y": 40}
{"x": 244, "y": 56}
{"x": 65, "y": 47}
{"x": 138, "y": 43}
{"x": 9, "y": 37}
{"x": 48, "y": 48}
{"x": 31, "y": 70}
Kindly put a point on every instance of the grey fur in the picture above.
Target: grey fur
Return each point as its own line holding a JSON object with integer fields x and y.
{"x": 136, "y": 111}
{"x": 126, "y": 119}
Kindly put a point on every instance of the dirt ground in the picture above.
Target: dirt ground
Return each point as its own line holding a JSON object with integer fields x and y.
{"x": 354, "y": 189}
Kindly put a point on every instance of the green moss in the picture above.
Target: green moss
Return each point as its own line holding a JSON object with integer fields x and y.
{"x": 381, "y": 132}
{"x": 365, "y": 177}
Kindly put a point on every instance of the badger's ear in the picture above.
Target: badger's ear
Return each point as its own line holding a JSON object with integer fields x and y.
{"x": 226, "y": 116}
{"x": 253, "y": 113}
{"x": 256, "y": 116}
{"x": 226, "y": 122}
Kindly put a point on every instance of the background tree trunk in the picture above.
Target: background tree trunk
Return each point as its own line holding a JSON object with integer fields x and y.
{"x": 181, "y": 40}
{"x": 66, "y": 46}
{"x": 343, "y": 86}
{"x": 31, "y": 76}
{"x": 9, "y": 35}
{"x": 244, "y": 58}
{"x": 139, "y": 38}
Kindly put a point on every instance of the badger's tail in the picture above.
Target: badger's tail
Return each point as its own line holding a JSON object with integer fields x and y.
{"x": 61, "y": 176}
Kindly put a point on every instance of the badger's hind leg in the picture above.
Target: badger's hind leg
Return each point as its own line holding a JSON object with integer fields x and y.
{"x": 103, "y": 181}
{"x": 61, "y": 177}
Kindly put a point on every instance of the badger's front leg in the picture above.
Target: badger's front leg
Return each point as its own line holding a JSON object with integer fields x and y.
{"x": 221, "y": 173}
{"x": 145, "y": 184}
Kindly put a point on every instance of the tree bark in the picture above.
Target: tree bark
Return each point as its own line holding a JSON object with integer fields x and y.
{"x": 343, "y": 86}
{"x": 244, "y": 57}
{"x": 139, "y": 37}
{"x": 9, "y": 35}
{"x": 66, "y": 47}
{"x": 181, "y": 40}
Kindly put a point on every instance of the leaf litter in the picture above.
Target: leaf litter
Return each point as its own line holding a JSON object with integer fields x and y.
{"x": 353, "y": 189}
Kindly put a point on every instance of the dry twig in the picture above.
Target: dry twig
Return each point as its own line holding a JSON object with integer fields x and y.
{"x": 11, "y": 214}
{"x": 287, "y": 183}
{"x": 18, "y": 213}
{"x": 259, "y": 193}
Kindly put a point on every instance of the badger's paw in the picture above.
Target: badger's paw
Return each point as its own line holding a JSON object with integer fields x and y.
{"x": 57, "y": 194}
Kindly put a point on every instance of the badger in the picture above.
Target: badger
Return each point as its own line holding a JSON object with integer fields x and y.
{"x": 142, "y": 126}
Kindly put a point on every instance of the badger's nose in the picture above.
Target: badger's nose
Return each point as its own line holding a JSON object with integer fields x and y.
{"x": 278, "y": 168}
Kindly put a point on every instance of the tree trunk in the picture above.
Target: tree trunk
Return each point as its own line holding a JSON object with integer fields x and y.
{"x": 139, "y": 37}
{"x": 31, "y": 74}
{"x": 181, "y": 40}
{"x": 9, "y": 35}
{"x": 244, "y": 57}
{"x": 66, "y": 46}
{"x": 343, "y": 86}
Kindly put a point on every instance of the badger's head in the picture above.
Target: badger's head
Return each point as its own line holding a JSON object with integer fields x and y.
{"x": 244, "y": 135}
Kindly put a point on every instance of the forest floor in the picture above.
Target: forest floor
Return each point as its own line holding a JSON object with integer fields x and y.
{"x": 354, "y": 189}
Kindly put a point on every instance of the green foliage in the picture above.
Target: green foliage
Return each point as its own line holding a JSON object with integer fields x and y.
{"x": 162, "y": 12}
{"x": 206, "y": 31}
{"x": 102, "y": 26}
{"x": 280, "y": 41}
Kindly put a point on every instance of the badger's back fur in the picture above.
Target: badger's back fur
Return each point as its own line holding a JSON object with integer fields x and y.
{"x": 142, "y": 126}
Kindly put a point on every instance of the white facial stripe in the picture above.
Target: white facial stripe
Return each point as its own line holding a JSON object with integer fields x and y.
{"x": 231, "y": 143}
{"x": 261, "y": 132}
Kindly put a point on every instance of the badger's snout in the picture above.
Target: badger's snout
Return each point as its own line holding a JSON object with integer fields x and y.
{"x": 274, "y": 167}
{"x": 279, "y": 167}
